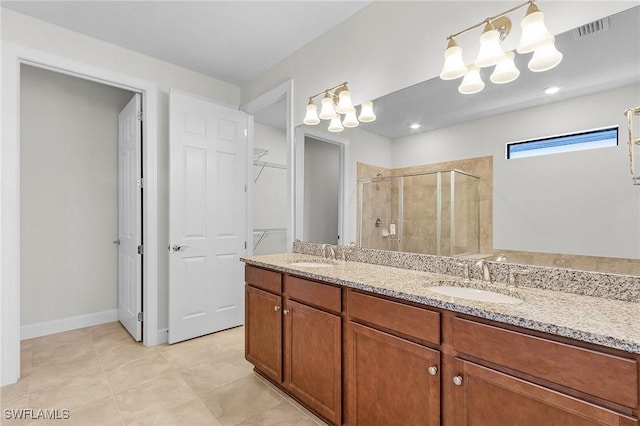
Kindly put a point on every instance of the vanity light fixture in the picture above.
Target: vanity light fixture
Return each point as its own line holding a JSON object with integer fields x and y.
{"x": 536, "y": 38}
{"x": 336, "y": 103}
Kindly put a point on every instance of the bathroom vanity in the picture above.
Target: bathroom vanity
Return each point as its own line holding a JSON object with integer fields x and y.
{"x": 364, "y": 344}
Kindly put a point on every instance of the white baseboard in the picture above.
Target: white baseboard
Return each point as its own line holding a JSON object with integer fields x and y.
{"x": 163, "y": 336}
{"x": 65, "y": 324}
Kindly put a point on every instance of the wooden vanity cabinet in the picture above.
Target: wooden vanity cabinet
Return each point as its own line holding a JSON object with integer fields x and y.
{"x": 487, "y": 397}
{"x": 574, "y": 384}
{"x": 391, "y": 380}
{"x": 263, "y": 322}
{"x": 293, "y": 336}
{"x": 313, "y": 345}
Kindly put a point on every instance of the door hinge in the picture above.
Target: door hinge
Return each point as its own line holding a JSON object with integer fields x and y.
{"x": 140, "y": 316}
{"x": 245, "y": 245}
{"x": 140, "y": 249}
{"x": 245, "y": 188}
{"x": 140, "y": 182}
{"x": 140, "y": 115}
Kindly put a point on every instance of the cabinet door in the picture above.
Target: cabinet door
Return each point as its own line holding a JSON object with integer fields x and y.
{"x": 487, "y": 397}
{"x": 388, "y": 380}
{"x": 313, "y": 358}
{"x": 263, "y": 331}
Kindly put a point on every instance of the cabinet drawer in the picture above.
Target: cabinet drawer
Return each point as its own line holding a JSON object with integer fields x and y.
{"x": 602, "y": 375}
{"x": 408, "y": 320}
{"x": 264, "y": 279}
{"x": 317, "y": 294}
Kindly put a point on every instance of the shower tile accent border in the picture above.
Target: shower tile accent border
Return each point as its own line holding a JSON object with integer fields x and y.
{"x": 587, "y": 283}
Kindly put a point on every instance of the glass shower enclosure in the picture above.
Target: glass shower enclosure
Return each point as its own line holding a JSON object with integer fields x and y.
{"x": 431, "y": 213}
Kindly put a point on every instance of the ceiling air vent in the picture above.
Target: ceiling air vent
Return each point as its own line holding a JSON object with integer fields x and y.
{"x": 591, "y": 28}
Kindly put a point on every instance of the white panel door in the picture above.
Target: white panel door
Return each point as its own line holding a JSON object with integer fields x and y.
{"x": 207, "y": 216}
{"x": 130, "y": 217}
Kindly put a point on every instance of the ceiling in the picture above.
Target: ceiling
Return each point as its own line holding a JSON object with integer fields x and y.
{"x": 233, "y": 41}
{"x": 592, "y": 63}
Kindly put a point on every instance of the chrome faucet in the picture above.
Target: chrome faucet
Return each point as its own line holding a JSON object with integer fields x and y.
{"x": 332, "y": 252}
{"x": 341, "y": 250}
{"x": 486, "y": 273}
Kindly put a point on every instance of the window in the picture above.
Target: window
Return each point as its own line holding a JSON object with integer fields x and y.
{"x": 599, "y": 138}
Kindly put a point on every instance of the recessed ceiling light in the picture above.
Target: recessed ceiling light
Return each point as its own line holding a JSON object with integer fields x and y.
{"x": 414, "y": 126}
{"x": 551, "y": 90}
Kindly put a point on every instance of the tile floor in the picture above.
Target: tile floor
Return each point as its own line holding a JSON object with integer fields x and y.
{"x": 103, "y": 377}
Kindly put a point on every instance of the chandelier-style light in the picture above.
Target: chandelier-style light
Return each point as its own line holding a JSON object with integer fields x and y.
{"x": 536, "y": 38}
{"x": 335, "y": 104}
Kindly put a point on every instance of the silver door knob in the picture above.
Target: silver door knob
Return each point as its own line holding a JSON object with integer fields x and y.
{"x": 285, "y": 311}
{"x": 457, "y": 380}
{"x": 433, "y": 370}
{"x": 177, "y": 247}
{"x": 276, "y": 308}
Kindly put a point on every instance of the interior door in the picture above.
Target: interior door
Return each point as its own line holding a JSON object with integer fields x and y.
{"x": 207, "y": 216}
{"x": 130, "y": 217}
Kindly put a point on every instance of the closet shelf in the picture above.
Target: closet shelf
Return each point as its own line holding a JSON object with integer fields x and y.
{"x": 265, "y": 232}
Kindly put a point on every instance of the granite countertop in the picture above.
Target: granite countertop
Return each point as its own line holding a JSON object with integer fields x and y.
{"x": 610, "y": 323}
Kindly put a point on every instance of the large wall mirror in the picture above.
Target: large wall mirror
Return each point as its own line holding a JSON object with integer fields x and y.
{"x": 578, "y": 209}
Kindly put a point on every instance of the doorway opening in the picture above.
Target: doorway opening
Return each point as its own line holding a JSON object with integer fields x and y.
{"x": 78, "y": 226}
{"x": 320, "y": 193}
{"x": 13, "y": 57}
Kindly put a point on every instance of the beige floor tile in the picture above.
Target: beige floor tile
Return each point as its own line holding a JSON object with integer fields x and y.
{"x": 217, "y": 372}
{"x": 138, "y": 371}
{"x": 26, "y": 359}
{"x": 189, "y": 356}
{"x": 52, "y": 353}
{"x": 152, "y": 396}
{"x": 240, "y": 400}
{"x": 15, "y": 395}
{"x": 283, "y": 414}
{"x": 71, "y": 393}
{"x": 100, "y": 412}
{"x": 126, "y": 352}
{"x": 53, "y": 373}
{"x": 109, "y": 335}
{"x": 192, "y": 413}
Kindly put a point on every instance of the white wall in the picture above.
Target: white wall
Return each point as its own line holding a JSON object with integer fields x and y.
{"x": 36, "y": 34}
{"x": 270, "y": 209}
{"x": 69, "y": 190}
{"x": 576, "y": 203}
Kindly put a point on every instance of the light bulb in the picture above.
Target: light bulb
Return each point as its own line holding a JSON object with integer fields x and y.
{"x": 490, "y": 50}
{"x": 544, "y": 58}
{"x": 534, "y": 32}
{"x": 311, "y": 118}
{"x": 344, "y": 101}
{"x": 335, "y": 125}
{"x": 350, "y": 119}
{"x": 327, "y": 112}
{"x": 366, "y": 112}
{"x": 472, "y": 82}
{"x": 505, "y": 70}
{"x": 454, "y": 66}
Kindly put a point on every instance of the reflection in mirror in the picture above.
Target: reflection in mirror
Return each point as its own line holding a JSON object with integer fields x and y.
{"x": 577, "y": 209}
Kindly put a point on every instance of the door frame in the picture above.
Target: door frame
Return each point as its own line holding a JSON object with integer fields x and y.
{"x": 284, "y": 90}
{"x": 302, "y": 132}
{"x": 12, "y": 57}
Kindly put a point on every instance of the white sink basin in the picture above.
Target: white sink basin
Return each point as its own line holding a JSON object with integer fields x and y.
{"x": 475, "y": 294}
{"x": 312, "y": 264}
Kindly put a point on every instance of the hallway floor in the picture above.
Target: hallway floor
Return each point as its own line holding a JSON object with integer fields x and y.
{"x": 102, "y": 377}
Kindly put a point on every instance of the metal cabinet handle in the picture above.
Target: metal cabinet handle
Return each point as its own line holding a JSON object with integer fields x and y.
{"x": 177, "y": 247}
{"x": 433, "y": 370}
{"x": 285, "y": 311}
{"x": 457, "y": 380}
{"x": 276, "y": 308}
